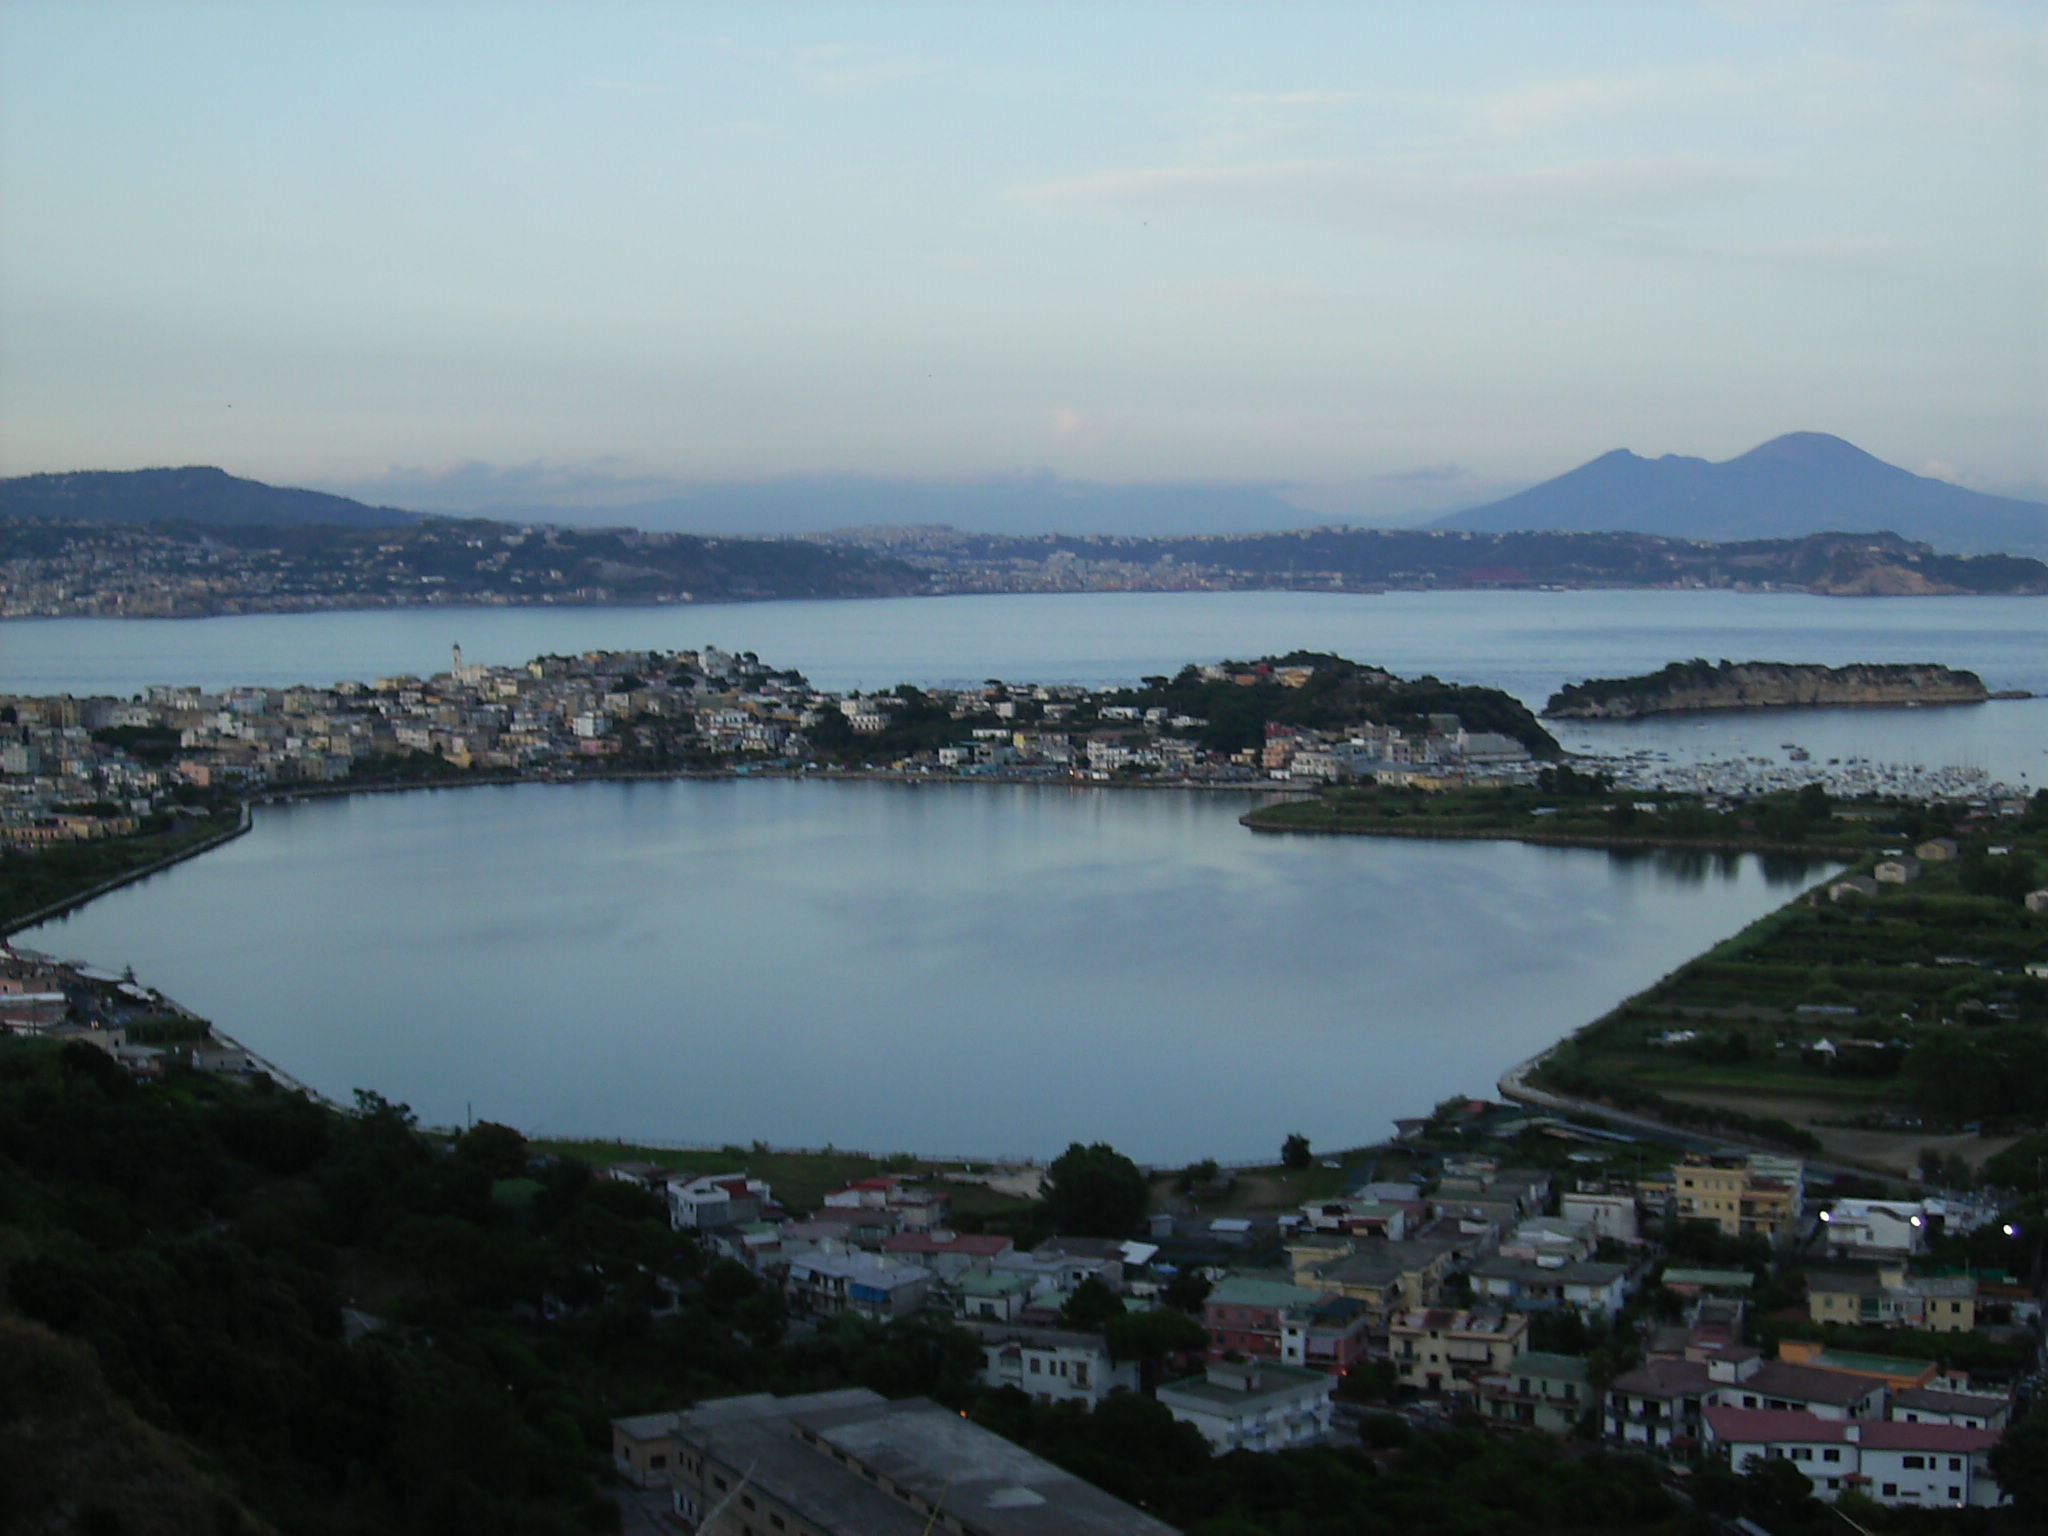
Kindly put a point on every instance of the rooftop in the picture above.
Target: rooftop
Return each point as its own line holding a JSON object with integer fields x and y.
{"x": 1227, "y": 1397}
{"x": 974, "y": 1244}
{"x": 1257, "y": 1291}
{"x": 1769, "y": 1426}
{"x": 1778, "y": 1378}
{"x": 904, "y": 1462}
{"x": 1723, "y": 1279}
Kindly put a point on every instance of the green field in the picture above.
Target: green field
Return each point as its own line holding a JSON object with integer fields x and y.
{"x": 1918, "y": 1000}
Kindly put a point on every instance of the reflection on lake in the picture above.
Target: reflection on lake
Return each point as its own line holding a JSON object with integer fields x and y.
{"x": 988, "y": 969}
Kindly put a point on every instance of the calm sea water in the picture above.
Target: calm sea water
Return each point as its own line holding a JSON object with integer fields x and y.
{"x": 1529, "y": 643}
{"x": 980, "y": 969}
{"x": 983, "y": 969}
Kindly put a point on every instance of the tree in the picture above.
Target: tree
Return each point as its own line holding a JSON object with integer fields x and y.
{"x": 1187, "y": 1290}
{"x": 497, "y": 1149}
{"x": 1149, "y": 1337}
{"x": 1776, "y": 1492}
{"x": 1090, "y": 1305}
{"x": 1294, "y": 1151}
{"x": 2020, "y": 1463}
{"x": 1095, "y": 1191}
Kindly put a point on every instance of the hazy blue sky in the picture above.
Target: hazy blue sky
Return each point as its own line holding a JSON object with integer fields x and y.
{"x": 1388, "y": 253}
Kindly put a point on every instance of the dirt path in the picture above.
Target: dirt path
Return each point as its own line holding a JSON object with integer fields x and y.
{"x": 1894, "y": 1151}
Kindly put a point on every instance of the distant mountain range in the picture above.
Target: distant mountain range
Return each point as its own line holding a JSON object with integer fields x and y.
{"x": 1799, "y": 484}
{"x": 1020, "y": 505}
{"x": 59, "y": 566}
{"x": 195, "y": 494}
{"x": 1792, "y": 487}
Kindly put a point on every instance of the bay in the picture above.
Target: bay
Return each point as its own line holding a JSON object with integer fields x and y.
{"x": 1528, "y": 643}
{"x": 985, "y": 969}
{"x": 945, "y": 969}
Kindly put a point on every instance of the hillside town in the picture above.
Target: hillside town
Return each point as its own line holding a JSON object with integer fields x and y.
{"x": 77, "y": 769}
{"x": 1518, "y": 1298}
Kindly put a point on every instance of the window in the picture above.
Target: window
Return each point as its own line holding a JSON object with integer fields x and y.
{"x": 1891, "y": 1490}
{"x": 1955, "y": 1463}
{"x": 1802, "y": 1453}
{"x": 1832, "y": 1453}
{"x": 1955, "y": 1493}
{"x": 1914, "y": 1463}
{"x": 656, "y": 1461}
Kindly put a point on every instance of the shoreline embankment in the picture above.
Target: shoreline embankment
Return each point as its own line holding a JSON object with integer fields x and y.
{"x": 1570, "y": 839}
{"x": 77, "y": 899}
{"x": 1512, "y": 1084}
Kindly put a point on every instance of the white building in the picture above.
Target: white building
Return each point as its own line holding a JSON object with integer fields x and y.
{"x": 1052, "y": 1365}
{"x": 1915, "y": 1466}
{"x": 1876, "y": 1226}
{"x": 1253, "y": 1405}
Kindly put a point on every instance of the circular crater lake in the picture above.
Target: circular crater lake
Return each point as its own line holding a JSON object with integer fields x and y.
{"x": 950, "y": 969}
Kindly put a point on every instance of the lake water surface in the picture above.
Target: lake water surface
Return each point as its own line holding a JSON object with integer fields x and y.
{"x": 984, "y": 969}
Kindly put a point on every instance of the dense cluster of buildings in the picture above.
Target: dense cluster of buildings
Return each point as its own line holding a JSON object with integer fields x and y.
{"x": 1442, "y": 1287}
{"x": 46, "y": 999}
{"x": 74, "y": 768}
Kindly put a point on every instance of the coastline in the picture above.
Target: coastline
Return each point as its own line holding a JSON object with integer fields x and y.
{"x": 71, "y": 903}
{"x": 1569, "y": 840}
{"x": 1512, "y": 1084}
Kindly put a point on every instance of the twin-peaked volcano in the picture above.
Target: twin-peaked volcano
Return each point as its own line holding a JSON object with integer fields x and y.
{"x": 1798, "y": 484}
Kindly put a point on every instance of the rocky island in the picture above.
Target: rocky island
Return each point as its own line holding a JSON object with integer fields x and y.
{"x": 1685, "y": 686}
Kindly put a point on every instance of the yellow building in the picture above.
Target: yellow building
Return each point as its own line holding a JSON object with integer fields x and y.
{"x": 1891, "y": 1298}
{"x": 1387, "y": 1277}
{"x": 1437, "y": 1350}
{"x": 1743, "y": 1197}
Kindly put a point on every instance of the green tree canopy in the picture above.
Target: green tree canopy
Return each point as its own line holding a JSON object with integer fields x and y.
{"x": 2020, "y": 1463}
{"x": 1095, "y": 1191}
{"x": 1090, "y": 1305}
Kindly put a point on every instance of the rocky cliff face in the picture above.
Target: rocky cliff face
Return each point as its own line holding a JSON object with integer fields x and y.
{"x": 1698, "y": 685}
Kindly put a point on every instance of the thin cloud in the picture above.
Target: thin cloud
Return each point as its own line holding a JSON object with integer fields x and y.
{"x": 856, "y": 67}
{"x": 1428, "y": 474}
{"x": 1517, "y": 114}
{"x": 1289, "y": 98}
{"x": 1246, "y": 120}
{"x": 1415, "y": 196}
{"x": 478, "y": 483}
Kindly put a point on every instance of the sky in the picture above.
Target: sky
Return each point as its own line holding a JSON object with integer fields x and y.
{"x": 1387, "y": 257}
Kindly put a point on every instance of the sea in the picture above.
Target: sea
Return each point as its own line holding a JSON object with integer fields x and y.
{"x": 972, "y": 971}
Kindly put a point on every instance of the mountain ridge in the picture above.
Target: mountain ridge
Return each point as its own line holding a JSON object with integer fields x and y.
{"x": 1794, "y": 485}
{"x": 202, "y": 494}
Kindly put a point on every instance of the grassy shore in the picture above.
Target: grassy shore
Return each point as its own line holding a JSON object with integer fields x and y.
{"x": 38, "y": 885}
{"x": 1583, "y": 816}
